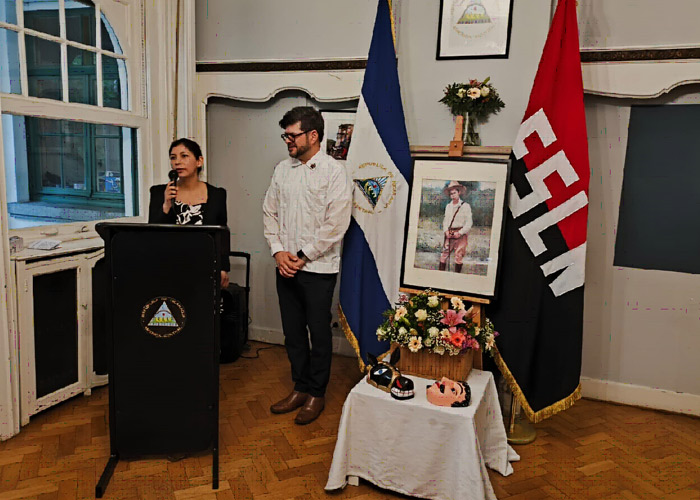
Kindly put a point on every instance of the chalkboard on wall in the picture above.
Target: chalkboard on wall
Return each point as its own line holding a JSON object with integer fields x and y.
{"x": 659, "y": 223}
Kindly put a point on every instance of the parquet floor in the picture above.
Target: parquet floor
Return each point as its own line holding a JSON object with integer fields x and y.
{"x": 592, "y": 451}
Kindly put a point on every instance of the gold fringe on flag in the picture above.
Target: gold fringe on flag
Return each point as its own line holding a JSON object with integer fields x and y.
{"x": 353, "y": 340}
{"x": 544, "y": 413}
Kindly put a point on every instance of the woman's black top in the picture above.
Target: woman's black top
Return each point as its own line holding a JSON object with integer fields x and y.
{"x": 211, "y": 213}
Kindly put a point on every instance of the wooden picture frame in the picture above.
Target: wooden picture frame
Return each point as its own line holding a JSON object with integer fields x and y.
{"x": 471, "y": 263}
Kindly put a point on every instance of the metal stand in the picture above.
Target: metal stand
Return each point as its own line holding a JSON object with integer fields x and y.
{"x": 520, "y": 430}
{"x": 106, "y": 476}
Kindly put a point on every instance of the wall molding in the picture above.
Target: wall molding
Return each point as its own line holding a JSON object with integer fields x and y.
{"x": 658, "y": 54}
{"x": 255, "y": 66}
{"x": 637, "y": 395}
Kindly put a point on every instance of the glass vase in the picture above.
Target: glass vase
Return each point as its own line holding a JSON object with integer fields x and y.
{"x": 471, "y": 136}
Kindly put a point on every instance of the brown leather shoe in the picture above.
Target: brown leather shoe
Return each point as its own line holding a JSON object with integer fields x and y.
{"x": 310, "y": 411}
{"x": 290, "y": 403}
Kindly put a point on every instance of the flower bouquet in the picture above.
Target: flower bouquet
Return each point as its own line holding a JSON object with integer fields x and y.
{"x": 419, "y": 324}
{"x": 475, "y": 101}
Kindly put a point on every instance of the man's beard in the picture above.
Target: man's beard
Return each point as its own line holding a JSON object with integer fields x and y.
{"x": 300, "y": 150}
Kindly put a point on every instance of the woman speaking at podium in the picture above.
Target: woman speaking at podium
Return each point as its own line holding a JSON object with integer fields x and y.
{"x": 186, "y": 199}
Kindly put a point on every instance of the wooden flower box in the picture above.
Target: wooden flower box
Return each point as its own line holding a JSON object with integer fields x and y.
{"x": 435, "y": 366}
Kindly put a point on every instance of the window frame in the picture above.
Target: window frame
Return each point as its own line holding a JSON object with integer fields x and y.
{"x": 125, "y": 22}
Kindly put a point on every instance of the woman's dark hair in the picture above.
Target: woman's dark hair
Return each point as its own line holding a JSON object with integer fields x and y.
{"x": 192, "y": 146}
{"x": 309, "y": 117}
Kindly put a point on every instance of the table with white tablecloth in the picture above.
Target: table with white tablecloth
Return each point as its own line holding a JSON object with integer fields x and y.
{"x": 420, "y": 449}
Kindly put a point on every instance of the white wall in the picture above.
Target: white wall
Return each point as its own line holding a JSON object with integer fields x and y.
{"x": 247, "y": 30}
{"x": 423, "y": 78}
{"x": 618, "y": 24}
{"x": 641, "y": 327}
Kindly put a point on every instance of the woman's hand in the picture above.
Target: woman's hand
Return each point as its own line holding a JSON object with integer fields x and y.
{"x": 170, "y": 195}
{"x": 224, "y": 279}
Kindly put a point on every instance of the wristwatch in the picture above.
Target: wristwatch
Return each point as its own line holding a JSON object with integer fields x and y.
{"x": 303, "y": 257}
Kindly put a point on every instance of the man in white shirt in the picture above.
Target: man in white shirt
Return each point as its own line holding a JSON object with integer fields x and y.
{"x": 306, "y": 213}
{"x": 456, "y": 226}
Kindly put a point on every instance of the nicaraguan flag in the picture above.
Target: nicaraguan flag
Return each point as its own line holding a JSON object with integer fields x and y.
{"x": 379, "y": 164}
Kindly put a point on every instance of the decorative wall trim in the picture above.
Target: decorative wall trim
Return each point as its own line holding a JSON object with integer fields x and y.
{"x": 256, "y": 66}
{"x": 637, "y": 395}
{"x": 596, "y": 56}
{"x": 639, "y": 79}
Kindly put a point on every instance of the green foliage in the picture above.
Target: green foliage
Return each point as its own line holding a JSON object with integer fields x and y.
{"x": 478, "y": 98}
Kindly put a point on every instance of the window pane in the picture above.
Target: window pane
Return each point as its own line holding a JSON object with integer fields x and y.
{"x": 113, "y": 74}
{"x": 9, "y": 62}
{"x": 80, "y": 21}
{"x": 109, "y": 38}
{"x": 109, "y": 164}
{"x": 82, "y": 86}
{"x": 74, "y": 163}
{"x": 44, "y": 68}
{"x": 42, "y": 15}
{"x": 8, "y": 11}
{"x": 49, "y": 156}
{"x": 64, "y": 171}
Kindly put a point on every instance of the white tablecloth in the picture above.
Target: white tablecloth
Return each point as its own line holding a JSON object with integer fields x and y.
{"x": 419, "y": 449}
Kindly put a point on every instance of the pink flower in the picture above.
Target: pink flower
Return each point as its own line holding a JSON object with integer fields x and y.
{"x": 453, "y": 318}
{"x": 472, "y": 343}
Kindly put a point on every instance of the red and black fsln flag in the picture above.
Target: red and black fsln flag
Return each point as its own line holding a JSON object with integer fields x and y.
{"x": 539, "y": 311}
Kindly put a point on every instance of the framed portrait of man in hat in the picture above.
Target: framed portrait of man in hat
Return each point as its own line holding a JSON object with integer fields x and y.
{"x": 455, "y": 224}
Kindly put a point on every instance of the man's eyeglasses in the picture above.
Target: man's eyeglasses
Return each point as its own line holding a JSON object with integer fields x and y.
{"x": 292, "y": 137}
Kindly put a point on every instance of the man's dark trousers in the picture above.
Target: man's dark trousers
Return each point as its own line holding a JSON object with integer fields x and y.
{"x": 305, "y": 300}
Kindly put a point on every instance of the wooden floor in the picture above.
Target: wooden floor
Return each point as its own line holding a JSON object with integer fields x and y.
{"x": 592, "y": 451}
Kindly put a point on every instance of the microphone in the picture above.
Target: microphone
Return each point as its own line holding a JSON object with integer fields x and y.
{"x": 173, "y": 175}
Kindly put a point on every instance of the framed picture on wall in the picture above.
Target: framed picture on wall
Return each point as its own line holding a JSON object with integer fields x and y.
{"x": 474, "y": 28}
{"x": 455, "y": 224}
{"x": 339, "y": 126}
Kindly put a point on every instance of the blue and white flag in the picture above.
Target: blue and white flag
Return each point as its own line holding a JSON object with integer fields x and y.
{"x": 379, "y": 164}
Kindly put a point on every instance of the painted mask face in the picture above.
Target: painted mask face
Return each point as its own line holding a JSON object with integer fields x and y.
{"x": 446, "y": 392}
{"x": 388, "y": 378}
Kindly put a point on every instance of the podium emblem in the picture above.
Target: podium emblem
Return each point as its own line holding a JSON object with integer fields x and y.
{"x": 163, "y": 317}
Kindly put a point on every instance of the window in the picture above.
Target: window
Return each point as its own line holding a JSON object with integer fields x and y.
{"x": 70, "y": 164}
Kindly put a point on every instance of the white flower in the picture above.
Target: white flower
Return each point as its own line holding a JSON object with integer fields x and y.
{"x": 433, "y": 332}
{"x": 428, "y": 341}
{"x": 485, "y": 91}
{"x": 457, "y": 303}
{"x": 474, "y": 93}
{"x": 444, "y": 333}
{"x": 402, "y": 331}
{"x": 415, "y": 344}
{"x": 400, "y": 313}
{"x": 380, "y": 332}
{"x": 461, "y": 92}
{"x": 489, "y": 344}
{"x": 438, "y": 349}
{"x": 433, "y": 301}
{"x": 421, "y": 314}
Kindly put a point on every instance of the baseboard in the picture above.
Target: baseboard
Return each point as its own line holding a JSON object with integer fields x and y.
{"x": 341, "y": 345}
{"x": 637, "y": 395}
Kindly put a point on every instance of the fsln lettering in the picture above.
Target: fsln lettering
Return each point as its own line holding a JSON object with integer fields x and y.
{"x": 573, "y": 262}
{"x": 558, "y": 163}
